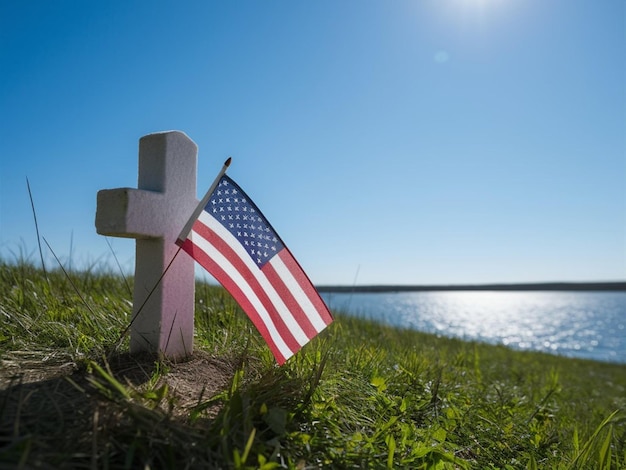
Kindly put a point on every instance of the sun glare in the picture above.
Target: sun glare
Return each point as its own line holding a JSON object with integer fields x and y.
{"x": 481, "y": 12}
{"x": 478, "y": 5}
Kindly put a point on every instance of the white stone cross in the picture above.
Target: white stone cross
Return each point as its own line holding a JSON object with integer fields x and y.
{"x": 154, "y": 215}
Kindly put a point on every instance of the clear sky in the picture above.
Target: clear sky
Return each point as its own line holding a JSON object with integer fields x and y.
{"x": 411, "y": 142}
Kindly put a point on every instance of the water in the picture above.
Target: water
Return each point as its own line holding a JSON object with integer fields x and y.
{"x": 590, "y": 325}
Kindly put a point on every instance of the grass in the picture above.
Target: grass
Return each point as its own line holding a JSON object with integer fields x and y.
{"x": 361, "y": 395}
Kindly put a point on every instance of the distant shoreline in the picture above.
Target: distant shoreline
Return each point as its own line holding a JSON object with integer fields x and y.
{"x": 543, "y": 286}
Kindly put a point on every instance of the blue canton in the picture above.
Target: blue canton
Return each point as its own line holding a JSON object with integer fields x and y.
{"x": 241, "y": 217}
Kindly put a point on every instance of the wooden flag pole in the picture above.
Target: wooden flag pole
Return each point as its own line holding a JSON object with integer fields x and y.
{"x": 187, "y": 228}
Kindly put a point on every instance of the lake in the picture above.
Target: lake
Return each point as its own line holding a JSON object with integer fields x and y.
{"x": 590, "y": 325}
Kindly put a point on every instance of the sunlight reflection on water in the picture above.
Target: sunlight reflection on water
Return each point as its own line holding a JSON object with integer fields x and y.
{"x": 579, "y": 324}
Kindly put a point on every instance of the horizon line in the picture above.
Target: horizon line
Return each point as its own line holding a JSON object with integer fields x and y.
{"x": 518, "y": 286}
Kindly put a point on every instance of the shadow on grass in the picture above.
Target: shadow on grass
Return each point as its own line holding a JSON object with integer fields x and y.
{"x": 128, "y": 413}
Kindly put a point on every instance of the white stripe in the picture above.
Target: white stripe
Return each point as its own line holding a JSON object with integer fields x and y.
{"x": 300, "y": 296}
{"x": 276, "y": 300}
{"x": 213, "y": 253}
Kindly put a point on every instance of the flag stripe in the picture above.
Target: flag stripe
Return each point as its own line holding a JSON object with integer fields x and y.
{"x": 204, "y": 253}
{"x": 280, "y": 352}
{"x": 307, "y": 288}
{"x": 287, "y": 272}
{"x": 262, "y": 286}
{"x": 230, "y": 261}
{"x": 292, "y": 303}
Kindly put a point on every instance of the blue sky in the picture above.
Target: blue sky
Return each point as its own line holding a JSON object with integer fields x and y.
{"x": 412, "y": 142}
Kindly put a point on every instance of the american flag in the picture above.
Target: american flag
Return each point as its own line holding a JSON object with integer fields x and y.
{"x": 236, "y": 244}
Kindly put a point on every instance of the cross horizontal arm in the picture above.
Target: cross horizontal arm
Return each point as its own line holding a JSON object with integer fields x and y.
{"x": 135, "y": 213}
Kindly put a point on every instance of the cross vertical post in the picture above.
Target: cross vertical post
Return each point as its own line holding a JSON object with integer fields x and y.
{"x": 154, "y": 214}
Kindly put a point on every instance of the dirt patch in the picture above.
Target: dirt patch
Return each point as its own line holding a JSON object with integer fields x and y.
{"x": 202, "y": 375}
{"x": 199, "y": 378}
{"x": 52, "y": 410}
{"x": 190, "y": 382}
{"x": 39, "y": 388}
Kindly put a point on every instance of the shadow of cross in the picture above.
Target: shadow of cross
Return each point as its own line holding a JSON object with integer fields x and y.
{"x": 154, "y": 214}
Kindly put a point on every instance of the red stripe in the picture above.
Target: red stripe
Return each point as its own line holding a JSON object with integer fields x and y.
{"x": 306, "y": 285}
{"x": 227, "y": 251}
{"x": 290, "y": 301}
{"x": 216, "y": 271}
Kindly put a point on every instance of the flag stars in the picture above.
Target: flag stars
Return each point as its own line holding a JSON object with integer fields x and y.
{"x": 244, "y": 222}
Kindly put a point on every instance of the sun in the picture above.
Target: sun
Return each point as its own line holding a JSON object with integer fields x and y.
{"x": 480, "y": 8}
{"x": 478, "y": 3}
